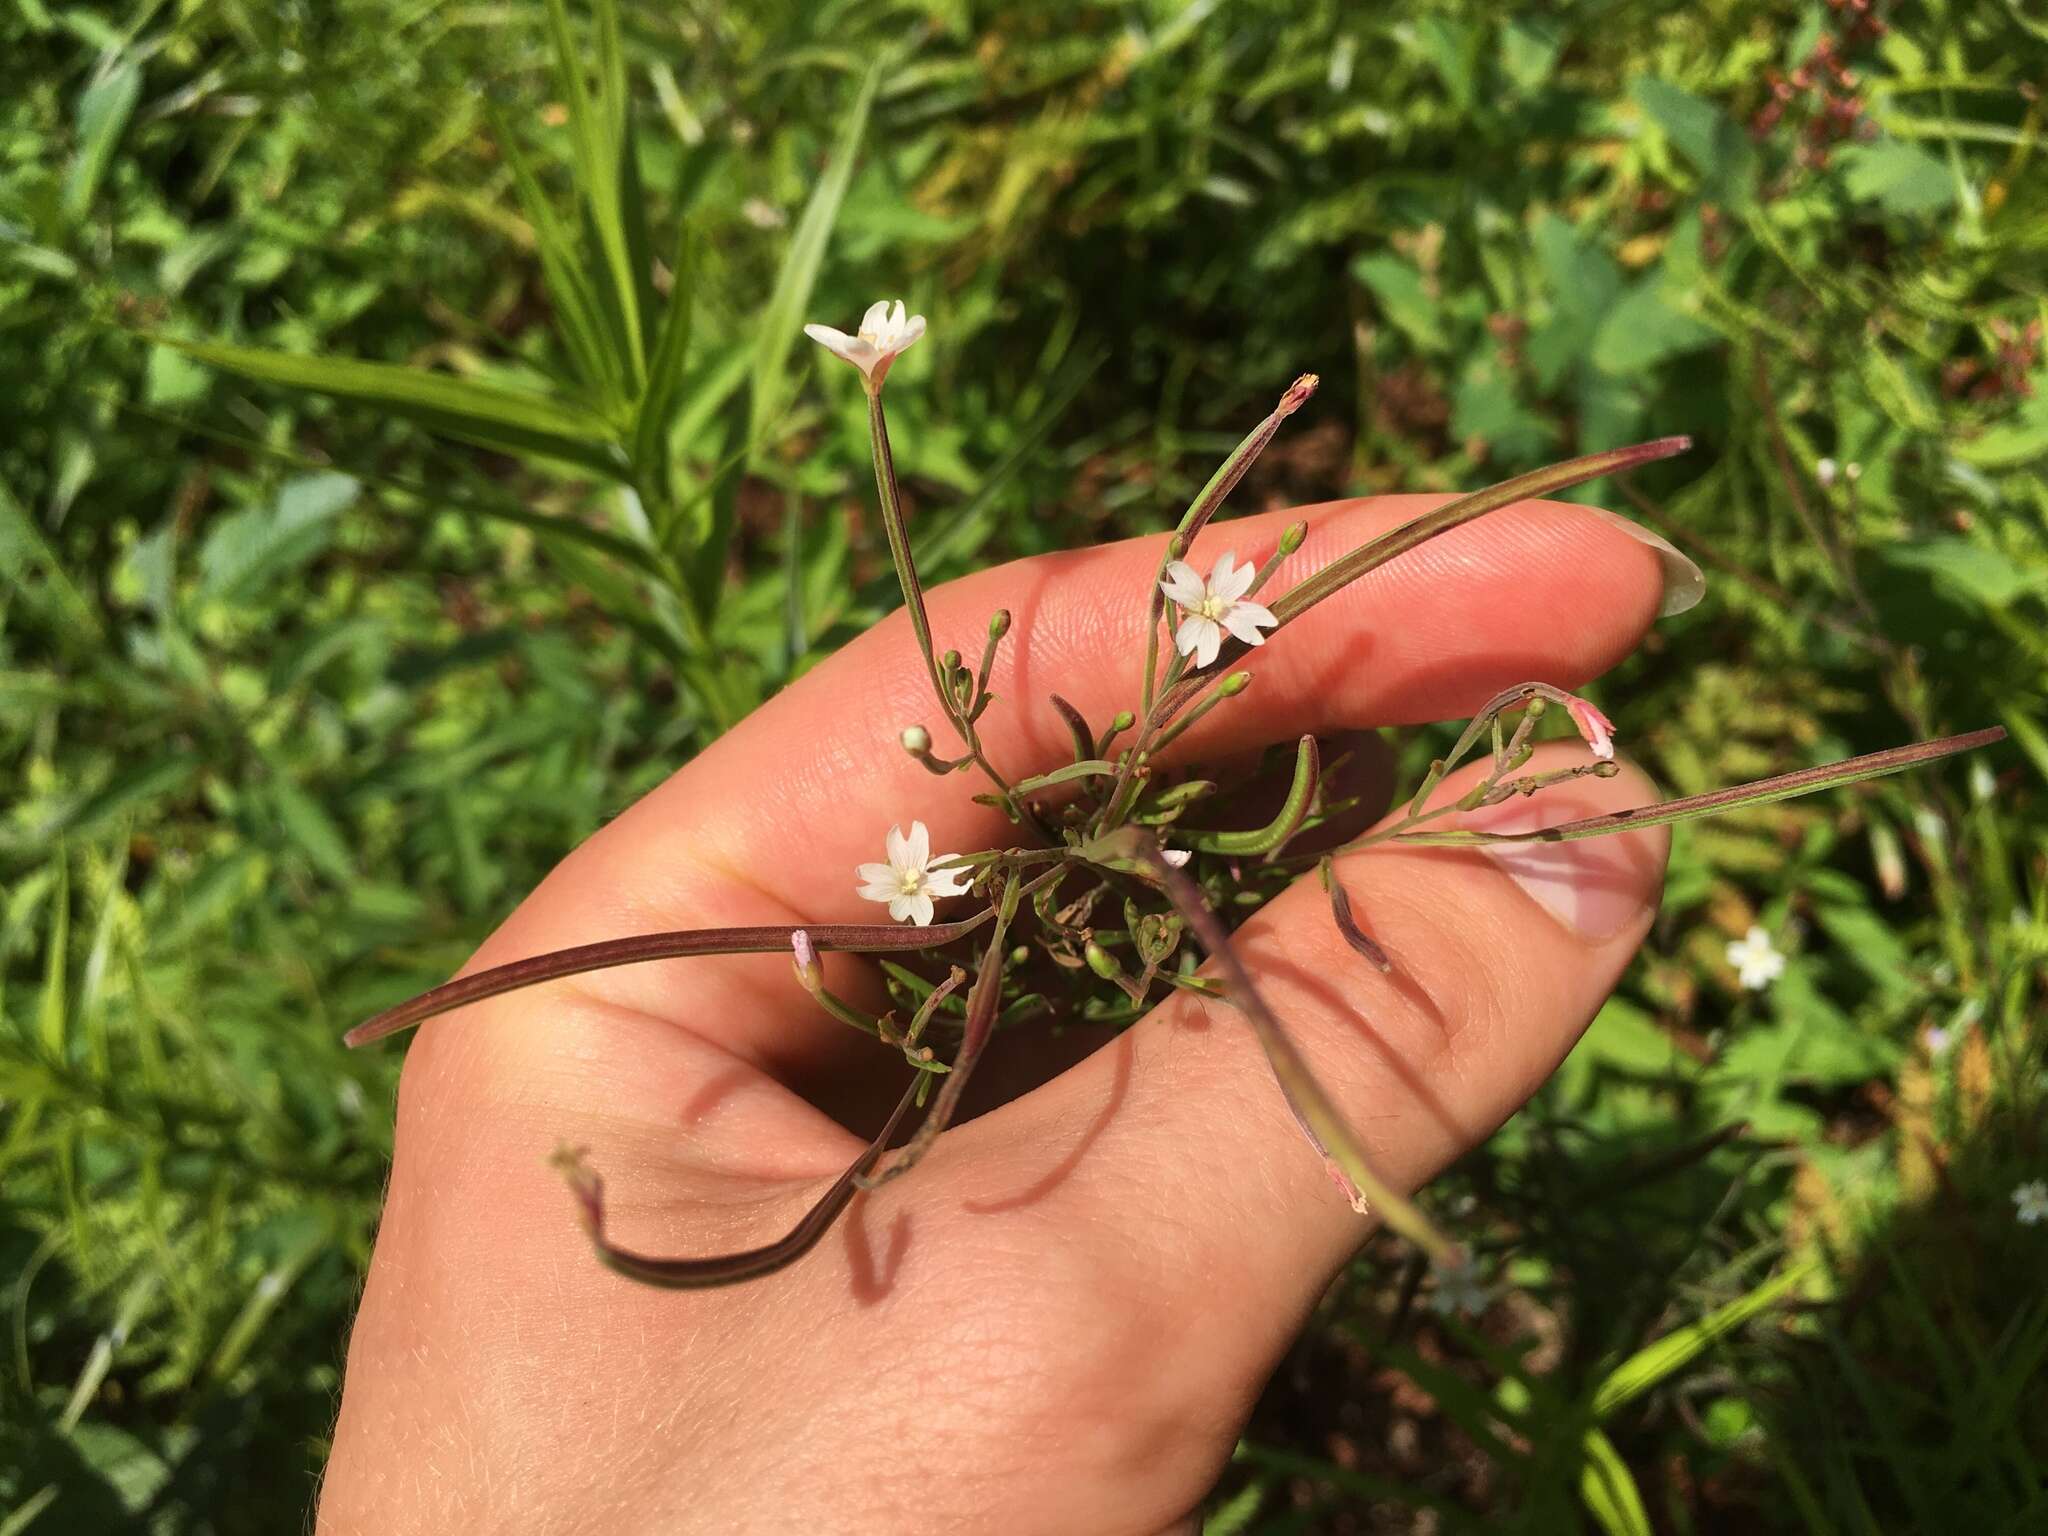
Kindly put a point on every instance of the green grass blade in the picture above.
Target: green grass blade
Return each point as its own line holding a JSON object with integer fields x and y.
{"x": 784, "y": 317}
{"x": 513, "y": 421}
{"x": 54, "y": 1012}
{"x": 665, "y": 374}
{"x": 1654, "y": 1362}
{"x": 561, "y": 263}
{"x": 596, "y": 138}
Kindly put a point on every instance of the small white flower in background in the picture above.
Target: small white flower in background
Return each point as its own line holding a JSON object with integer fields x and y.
{"x": 2030, "y": 1202}
{"x": 907, "y": 882}
{"x": 1177, "y": 857}
{"x": 1459, "y": 1290}
{"x": 1209, "y": 608}
{"x": 1825, "y": 472}
{"x": 1756, "y": 959}
{"x": 1594, "y": 726}
{"x": 884, "y": 335}
{"x": 762, "y": 214}
{"x": 1937, "y": 1040}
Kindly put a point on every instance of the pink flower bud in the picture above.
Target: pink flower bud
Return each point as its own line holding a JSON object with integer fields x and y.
{"x": 1594, "y": 726}
{"x": 806, "y": 957}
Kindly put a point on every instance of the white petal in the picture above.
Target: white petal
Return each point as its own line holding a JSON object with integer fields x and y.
{"x": 1230, "y": 580}
{"x": 1177, "y": 857}
{"x": 1182, "y": 584}
{"x": 877, "y": 316}
{"x": 949, "y": 882}
{"x": 900, "y": 907}
{"x": 1243, "y": 620}
{"x": 880, "y": 890}
{"x": 1210, "y": 643}
{"x": 920, "y": 846}
{"x": 898, "y": 847}
{"x": 1188, "y": 638}
{"x": 911, "y": 333}
{"x": 896, "y": 320}
{"x": 921, "y": 910}
{"x": 836, "y": 341}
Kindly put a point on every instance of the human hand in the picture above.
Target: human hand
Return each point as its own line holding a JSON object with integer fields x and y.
{"x": 1060, "y": 1321}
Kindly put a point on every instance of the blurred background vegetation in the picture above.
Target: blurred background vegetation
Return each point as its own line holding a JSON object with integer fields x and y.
{"x": 302, "y": 687}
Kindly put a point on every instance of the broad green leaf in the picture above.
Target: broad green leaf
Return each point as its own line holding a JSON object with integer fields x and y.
{"x": 783, "y": 318}
{"x": 103, "y": 113}
{"x": 1974, "y": 570}
{"x": 1718, "y": 149}
{"x": 1899, "y": 177}
{"x": 1404, "y": 299}
{"x": 1645, "y": 327}
{"x": 248, "y": 551}
{"x": 306, "y": 822}
{"x": 512, "y": 421}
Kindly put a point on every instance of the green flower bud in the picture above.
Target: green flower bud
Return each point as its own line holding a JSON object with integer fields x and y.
{"x": 999, "y": 626}
{"x": 1233, "y": 685}
{"x": 1290, "y": 541}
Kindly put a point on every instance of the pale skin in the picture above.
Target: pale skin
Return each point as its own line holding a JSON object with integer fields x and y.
{"x": 1060, "y": 1321}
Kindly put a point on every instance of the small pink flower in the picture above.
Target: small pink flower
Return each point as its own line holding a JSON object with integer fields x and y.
{"x": 1594, "y": 726}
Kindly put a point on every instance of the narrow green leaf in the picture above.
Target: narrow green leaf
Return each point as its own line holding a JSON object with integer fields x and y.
{"x": 514, "y": 421}
{"x": 1094, "y": 768}
{"x": 1610, "y": 1491}
{"x": 783, "y": 318}
{"x": 1785, "y": 786}
{"x": 597, "y": 173}
{"x": 1654, "y": 1362}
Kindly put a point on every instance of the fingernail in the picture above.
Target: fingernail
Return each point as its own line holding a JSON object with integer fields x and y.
{"x": 1684, "y": 585}
{"x": 1594, "y": 886}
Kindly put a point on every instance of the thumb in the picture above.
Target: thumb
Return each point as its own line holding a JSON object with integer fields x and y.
{"x": 1500, "y": 957}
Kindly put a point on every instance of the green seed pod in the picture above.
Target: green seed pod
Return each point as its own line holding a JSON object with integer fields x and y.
{"x": 1102, "y": 962}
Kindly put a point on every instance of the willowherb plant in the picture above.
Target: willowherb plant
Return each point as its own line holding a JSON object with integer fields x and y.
{"x": 1106, "y": 883}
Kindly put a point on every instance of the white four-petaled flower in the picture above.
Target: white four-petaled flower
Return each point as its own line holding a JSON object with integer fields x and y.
{"x": 1210, "y": 607}
{"x": 907, "y": 882}
{"x": 884, "y": 334}
{"x": 1756, "y": 959}
{"x": 2030, "y": 1202}
{"x": 1459, "y": 1290}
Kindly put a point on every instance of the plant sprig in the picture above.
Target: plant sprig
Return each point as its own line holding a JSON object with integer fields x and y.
{"x": 1096, "y": 880}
